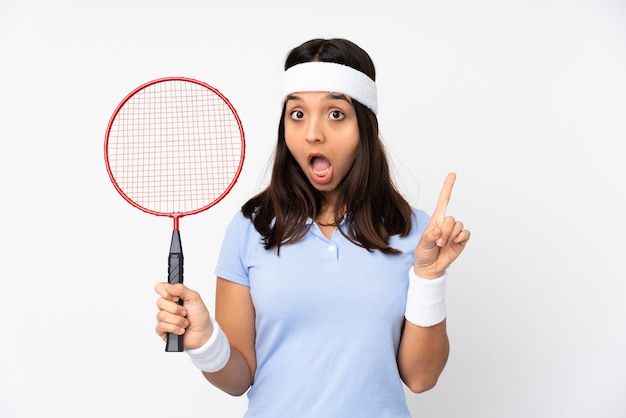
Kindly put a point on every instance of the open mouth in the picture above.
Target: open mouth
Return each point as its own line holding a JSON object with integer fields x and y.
{"x": 321, "y": 168}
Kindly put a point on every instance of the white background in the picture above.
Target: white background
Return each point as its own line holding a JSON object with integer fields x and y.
{"x": 525, "y": 100}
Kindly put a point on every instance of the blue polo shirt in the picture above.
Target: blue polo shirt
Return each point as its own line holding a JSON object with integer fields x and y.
{"x": 328, "y": 320}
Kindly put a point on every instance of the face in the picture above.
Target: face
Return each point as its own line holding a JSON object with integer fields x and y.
{"x": 322, "y": 133}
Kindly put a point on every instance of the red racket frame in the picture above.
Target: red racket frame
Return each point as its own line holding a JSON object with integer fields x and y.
{"x": 177, "y": 215}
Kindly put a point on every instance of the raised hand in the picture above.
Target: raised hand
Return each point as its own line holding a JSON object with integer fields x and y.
{"x": 192, "y": 319}
{"x": 443, "y": 239}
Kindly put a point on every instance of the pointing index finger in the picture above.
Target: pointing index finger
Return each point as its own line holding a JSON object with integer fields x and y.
{"x": 444, "y": 195}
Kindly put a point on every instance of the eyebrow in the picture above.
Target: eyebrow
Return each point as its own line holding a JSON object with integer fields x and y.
{"x": 329, "y": 96}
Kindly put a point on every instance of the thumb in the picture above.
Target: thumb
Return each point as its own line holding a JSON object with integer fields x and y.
{"x": 429, "y": 238}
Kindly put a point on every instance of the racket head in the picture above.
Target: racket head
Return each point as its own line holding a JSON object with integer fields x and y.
{"x": 174, "y": 147}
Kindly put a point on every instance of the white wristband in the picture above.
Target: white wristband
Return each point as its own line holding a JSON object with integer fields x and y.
{"x": 426, "y": 300}
{"x": 213, "y": 355}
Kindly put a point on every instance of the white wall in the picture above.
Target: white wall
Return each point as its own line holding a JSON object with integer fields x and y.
{"x": 525, "y": 100}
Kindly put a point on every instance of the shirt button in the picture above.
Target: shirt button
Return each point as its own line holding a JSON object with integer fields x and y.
{"x": 331, "y": 248}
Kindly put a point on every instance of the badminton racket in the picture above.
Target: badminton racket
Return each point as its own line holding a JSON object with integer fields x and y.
{"x": 174, "y": 147}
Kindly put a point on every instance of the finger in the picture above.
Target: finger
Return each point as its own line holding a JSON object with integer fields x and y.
{"x": 165, "y": 290}
{"x": 444, "y": 195}
{"x": 447, "y": 230}
{"x": 165, "y": 317}
{"x": 160, "y": 333}
{"x": 458, "y": 234}
{"x": 163, "y": 335}
{"x": 172, "y": 292}
{"x": 166, "y": 327}
{"x": 171, "y": 306}
{"x": 463, "y": 237}
{"x": 457, "y": 228}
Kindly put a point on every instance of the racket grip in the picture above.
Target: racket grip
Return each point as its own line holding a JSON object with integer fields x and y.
{"x": 174, "y": 342}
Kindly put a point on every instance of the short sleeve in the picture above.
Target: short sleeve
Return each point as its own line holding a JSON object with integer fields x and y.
{"x": 231, "y": 263}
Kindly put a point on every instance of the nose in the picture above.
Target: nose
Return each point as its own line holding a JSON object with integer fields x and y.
{"x": 315, "y": 131}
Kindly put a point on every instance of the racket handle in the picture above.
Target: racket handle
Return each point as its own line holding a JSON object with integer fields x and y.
{"x": 174, "y": 342}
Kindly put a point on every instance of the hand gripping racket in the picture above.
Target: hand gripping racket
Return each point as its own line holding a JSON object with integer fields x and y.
{"x": 174, "y": 147}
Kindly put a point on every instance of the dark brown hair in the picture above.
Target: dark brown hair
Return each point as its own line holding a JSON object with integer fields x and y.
{"x": 374, "y": 207}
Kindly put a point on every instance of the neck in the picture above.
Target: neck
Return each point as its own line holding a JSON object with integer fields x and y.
{"x": 326, "y": 214}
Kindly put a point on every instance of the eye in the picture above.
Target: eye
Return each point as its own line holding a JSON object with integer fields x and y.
{"x": 296, "y": 114}
{"x": 336, "y": 115}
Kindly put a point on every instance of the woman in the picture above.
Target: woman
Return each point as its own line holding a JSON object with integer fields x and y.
{"x": 330, "y": 288}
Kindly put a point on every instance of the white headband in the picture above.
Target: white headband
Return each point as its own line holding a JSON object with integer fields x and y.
{"x": 331, "y": 77}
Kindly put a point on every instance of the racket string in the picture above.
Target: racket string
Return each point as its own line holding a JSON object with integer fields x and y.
{"x": 175, "y": 147}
